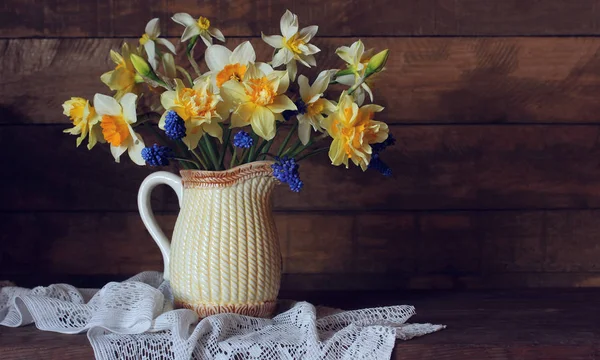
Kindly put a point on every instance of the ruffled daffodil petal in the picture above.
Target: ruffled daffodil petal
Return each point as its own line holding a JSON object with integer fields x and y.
{"x": 258, "y": 100}
{"x": 116, "y": 120}
{"x": 199, "y": 107}
{"x": 292, "y": 45}
{"x": 353, "y": 130}
{"x": 198, "y": 27}
{"x": 85, "y": 120}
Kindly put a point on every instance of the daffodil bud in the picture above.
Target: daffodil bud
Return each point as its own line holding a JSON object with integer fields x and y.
{"x": 143, "y": 68}
{"x": 377, "y": 62}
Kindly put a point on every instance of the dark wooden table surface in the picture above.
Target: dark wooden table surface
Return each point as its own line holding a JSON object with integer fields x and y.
{"x": 524, "y": 324}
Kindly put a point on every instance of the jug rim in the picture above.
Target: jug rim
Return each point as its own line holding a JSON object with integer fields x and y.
{"x": 204, "y": 178}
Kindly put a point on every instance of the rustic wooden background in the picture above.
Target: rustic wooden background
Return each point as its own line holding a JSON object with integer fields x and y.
{"x": 495, "y": 103}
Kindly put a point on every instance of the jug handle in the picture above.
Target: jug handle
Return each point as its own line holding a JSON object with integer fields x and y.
{"x": 144, "y": 206}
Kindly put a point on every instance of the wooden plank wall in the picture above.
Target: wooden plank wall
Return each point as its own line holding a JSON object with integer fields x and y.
{"x": 495, "y": 104}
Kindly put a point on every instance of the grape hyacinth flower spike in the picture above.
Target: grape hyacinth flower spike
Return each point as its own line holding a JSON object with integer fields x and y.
{"x": 286, "y": 170}
{"x": 157, "y": 155}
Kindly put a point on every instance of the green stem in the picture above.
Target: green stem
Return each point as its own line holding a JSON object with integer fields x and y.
{"x": 187, "y": 160}
{"x": 231, "y": 147}
{"x": 211, "y": 151}
{"x": 138, "y": 123}
{"x": 266, "y": 149}
{"x": 293, "y": 148}
{"x": 269, "y": 154}
{"x": 200, "y": 158}
{"x": 313, "y": 153}
{"x": 183, "y": 150}
{"x": 233, "y": 157}
{"x": 259, "y": 150}
{"x": 356, "y": 86}
{"x": 147, "y": 117}
{"x": 194, "y": 64}
{"x": 159, "y": 135}
{"x": 190, "y": 54}
{"x": 243, "y": 157}
{"x": 203, "y": 151}
{"x": 253, "y": 148}
{"x": 287, "y": 139}
{"x": 224, "y": 146}
{"x": 309, "y": 144}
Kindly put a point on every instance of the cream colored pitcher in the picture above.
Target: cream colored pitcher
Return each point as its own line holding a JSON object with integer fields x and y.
{"x": 224, "y": 255}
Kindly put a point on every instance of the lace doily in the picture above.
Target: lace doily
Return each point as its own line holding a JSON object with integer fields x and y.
{"x": 135, "y": 319}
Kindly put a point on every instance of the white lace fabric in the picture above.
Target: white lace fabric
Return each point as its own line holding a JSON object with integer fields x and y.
{"x": 135, "y": 319}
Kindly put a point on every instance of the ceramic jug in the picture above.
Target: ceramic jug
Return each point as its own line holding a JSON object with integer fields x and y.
{"x": 224, "y": 255}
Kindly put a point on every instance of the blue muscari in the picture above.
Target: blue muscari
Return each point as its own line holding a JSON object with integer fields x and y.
{"x": 376, "y": 162}
{"x": 157, "y": 155}
{"x": 286, "y": 170}
{"x": 378, "y": 165}
{"x": 379, "y": 147}
{"x": 243, "y": 140}
{"x": 301, "y": 109}
{"x": 174, "y": 126}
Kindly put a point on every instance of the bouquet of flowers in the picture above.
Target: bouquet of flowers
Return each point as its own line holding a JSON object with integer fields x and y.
{"x": 231, "y": 114}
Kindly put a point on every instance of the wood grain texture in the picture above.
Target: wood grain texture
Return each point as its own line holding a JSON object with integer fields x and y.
{"x": 30, "y": 343}
{"x": 494, "y": 104}
{"x": 365, "y": 250}
{"x": 74, "y": 179}
{"x": 428, "y": 80}
{"x": 436, "y": 167}
{"x": 79, "y": 18}
{"x": 516, "y": 17}
{"x": 497, "y": 325}
{"x": 335, "y": 18}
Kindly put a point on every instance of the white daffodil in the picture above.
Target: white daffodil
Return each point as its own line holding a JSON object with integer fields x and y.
{"x": 259, "y": 99}
{"x": 353, "y": 55}
{"x": 150, "y": 38}
{"x": 315, "y": 106}
{"x": 195, "y": 27}
{"x": 357, "y": 59}
{"x": 293, "y": 45}
{"x": 225, "y": 64}
{"x": 116, "y": 119}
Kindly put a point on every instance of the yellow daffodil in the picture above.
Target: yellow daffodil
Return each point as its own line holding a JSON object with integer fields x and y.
{"x": 353, "y": 131}
{"x": 85, "y": 120}
{"x": 194, "y": 27}
{"x": 116, "y": 120}
{"x": 357, "y": 59}
{"x": 259, "y": 99}
{"x": 225, "y": 65}
{"x": 315, "y": 105}
{"x": 200, "y": 108}
{"x": 123, "y": 79}
{"x": 150, "y": 38}
{"x": 293, "y": 45}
